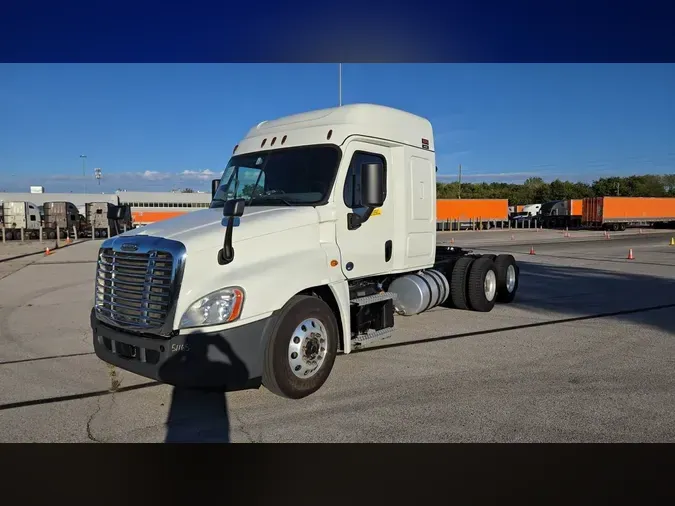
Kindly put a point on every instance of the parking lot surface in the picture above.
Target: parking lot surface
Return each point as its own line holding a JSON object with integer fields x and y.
{"x": 585, "y": 353}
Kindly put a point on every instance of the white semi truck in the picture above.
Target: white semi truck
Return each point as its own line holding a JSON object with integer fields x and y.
{"x": 20, "y": 220}
{"x": 321, "y": 230}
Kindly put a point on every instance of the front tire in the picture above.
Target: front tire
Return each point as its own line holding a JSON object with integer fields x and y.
{"x": 302, "y": 348}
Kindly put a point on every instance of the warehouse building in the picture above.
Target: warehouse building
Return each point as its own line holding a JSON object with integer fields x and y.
{"x": 146, "y": 207}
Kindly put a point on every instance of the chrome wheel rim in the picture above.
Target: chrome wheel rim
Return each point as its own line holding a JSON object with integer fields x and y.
{"x": 490, "y": 285}
{"x": 510, "y": 278}
{"x": 307, "y": 348}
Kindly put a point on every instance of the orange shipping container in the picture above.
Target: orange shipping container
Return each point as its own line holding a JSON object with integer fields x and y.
{"x": 472, "y": 209}
{"x": 147, "y": 217}
{"x": 576, "y": 207}
{"x": 628, "y": 209}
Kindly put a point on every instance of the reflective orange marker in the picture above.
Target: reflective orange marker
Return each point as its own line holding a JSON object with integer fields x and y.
{"x": 333, "y": 263}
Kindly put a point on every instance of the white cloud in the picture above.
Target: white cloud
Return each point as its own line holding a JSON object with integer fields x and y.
{"x": 487, "y": 175}
{"x": 153, "y": 175}
{"x": 147, "y": 175}
{"x": 66, "y": 177}
{"x": 201, "y": 175}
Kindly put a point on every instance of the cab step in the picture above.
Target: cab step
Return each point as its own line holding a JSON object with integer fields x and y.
{"x": 372, "y": 299}
{"x": 372, "y": 336}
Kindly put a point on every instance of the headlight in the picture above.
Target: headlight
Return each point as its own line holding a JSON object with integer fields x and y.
{"x": 222, "y": 306}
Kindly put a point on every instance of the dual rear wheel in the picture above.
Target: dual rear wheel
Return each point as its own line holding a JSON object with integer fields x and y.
{"x": 479, "y": 283}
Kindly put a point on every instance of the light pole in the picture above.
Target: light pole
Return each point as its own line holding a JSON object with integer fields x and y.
{"x": 84, "y": 175}
{"x": 459, "y": 187}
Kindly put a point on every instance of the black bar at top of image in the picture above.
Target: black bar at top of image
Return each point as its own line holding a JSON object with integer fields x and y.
{"x": 304, "y": 473}
{"x": 154, "y": 31}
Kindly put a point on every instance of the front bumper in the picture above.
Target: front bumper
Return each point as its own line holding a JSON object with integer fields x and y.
{"x": 228, "y": 360}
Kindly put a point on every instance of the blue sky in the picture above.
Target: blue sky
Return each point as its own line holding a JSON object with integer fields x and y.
{"x": 157, "y": 127}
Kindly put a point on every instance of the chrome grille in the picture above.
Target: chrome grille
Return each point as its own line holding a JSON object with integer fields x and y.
{"x": 134, "y": 290}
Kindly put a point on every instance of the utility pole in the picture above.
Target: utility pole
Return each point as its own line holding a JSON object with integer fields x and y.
{"x": 617, "y": 189}
{"x": 340, "y": 84}
{"x": 84, "y": 174}
{"x": 459, "y": 189}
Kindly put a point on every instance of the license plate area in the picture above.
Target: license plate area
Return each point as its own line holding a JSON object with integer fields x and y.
{"x": 127, "y": 351}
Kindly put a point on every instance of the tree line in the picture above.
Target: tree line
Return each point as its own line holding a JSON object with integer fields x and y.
{"x": 536, "y": 190}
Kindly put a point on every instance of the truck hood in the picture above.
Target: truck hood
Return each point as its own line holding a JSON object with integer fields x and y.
{"x": 199, "y": 230}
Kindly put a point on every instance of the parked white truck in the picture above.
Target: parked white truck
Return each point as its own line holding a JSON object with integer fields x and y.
{"x": 20, "y": 220}
{"x": 321, "y": 229}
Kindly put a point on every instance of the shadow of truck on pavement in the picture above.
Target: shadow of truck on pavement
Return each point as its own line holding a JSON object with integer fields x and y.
{"x": 560, "y": 294}
{"x": 198, "y": 415}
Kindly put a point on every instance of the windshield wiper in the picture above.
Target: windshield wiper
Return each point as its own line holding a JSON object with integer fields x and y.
{"x": 270, "y": 197}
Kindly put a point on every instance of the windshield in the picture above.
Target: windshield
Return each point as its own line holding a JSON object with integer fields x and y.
{"x": 289, "y": 177}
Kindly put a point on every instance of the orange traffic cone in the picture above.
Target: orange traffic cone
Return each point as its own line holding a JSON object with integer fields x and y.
{"x": 630, "y": 254}
{"x": 452, "y": 240}
{"x": 532, "y": 250}
{"x": 46, "y": 251}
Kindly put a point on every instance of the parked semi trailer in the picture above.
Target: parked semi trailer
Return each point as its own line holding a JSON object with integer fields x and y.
{"x": 464, "y": 213}
{"x": 472, "y": 209}
{"x": 329, "y": 237}
{"x": 561, "y": 213}
{"x": 20, "y": 220}
{"x": 618, "y": 213}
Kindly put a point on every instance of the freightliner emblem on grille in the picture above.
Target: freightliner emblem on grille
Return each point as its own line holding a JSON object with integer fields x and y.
{"x": 129, "y": 246}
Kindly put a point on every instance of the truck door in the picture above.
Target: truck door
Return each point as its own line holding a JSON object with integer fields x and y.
{"x": 368, "y": 249}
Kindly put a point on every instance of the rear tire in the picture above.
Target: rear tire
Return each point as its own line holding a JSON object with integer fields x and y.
{"x": 458, "y": 283}
{"x": 482, "y": 285}
{"x": 508, "y": 275}
{"x": 312, "y": 323}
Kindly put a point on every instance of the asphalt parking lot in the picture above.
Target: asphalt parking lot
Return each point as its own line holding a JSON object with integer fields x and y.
{"x": 584, "y": 354}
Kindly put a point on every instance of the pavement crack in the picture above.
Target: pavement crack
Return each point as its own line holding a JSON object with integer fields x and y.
{"x": 242, "y": 428}
{"x": 90, "y": 435}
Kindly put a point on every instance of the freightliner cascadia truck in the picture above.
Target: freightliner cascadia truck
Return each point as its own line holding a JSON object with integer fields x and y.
{"x": 320, "y": 232}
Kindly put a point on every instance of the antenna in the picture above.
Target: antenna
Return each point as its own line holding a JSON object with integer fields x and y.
{"x": 340, "y": 84}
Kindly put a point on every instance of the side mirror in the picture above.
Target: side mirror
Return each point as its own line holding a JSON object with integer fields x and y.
{"x": 214, "y": 187}
{"x": 234, "y": 208}
{"x": 231, "y": 209}
{"x": 372, "y": 184}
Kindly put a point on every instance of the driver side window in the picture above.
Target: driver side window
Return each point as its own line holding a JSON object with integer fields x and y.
{"x": 352, "y": 189}
{"x": 247, "y": 183}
